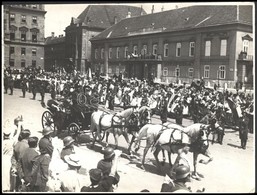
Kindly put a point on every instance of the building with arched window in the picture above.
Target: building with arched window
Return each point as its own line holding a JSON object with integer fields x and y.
{"x": 183, "y": 44}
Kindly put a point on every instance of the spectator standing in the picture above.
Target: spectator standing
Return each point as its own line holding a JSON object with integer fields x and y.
{"x": 70, "y": 178}
{"x": 27, "y": 161}
{"x": 182, "y": 175}
{"x": 68, "y": 149}
{"x": 40, "y": 169}
{"x": 18, "y": 152}
{"x": 101, "y": 183}
{"x": 45, "y": 143}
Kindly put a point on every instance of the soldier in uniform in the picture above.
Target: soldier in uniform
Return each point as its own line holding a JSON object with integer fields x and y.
{"x": 11, "y": 83}
{"x": 5, "y": 82}
{"x": 243, "y": 130}
{"x": 24, "y": 86}
{"x": 163, "y": 108}
{"x": 178, "y": 110}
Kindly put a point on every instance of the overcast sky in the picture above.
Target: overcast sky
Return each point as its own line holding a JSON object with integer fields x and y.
{"x": 58, "y": 16}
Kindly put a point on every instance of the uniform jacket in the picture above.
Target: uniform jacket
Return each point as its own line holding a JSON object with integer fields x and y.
{"x": 46, "y": 143}
{"x": 27, "y": 162}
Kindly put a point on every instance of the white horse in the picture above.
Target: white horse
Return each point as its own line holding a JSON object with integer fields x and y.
{"x": 173, "y": 138}
{"x": 111, "y": 123}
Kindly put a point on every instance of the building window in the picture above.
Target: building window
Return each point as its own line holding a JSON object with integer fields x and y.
{"x": 11, "y": 50}
{"x": 34, "y": 19}
{"x": 166, "y": 50}
{"x": 23, "y": 36}
{"x": 125, "y": 52}
{"x": 144, "y": 50}
{"x": 23, "y": 51}
{"x": 190, "y": 72}
{"x": 12, "y": 35}
{"x": 155, "y": 49}
{"x": 34, "y": 37}
{"x": 34, "y": 63}
{"x": 223, "y": 47}
{"x": 96, "y": 53}
{"x": 34, "y": 52}
{"x": 206, "y": 73}
{"x": 34, "y": 6}
{"x": 110, "y": 53}
{"x": 135, "y": 50}
{"x": 191, "y": 49}
{"x": 178, "y": 49}
{"x": 221, "y": 72}
{"x": 207, "y": 48}
{"x": 12, "y": 17}
{"x": 245, "y": 46}
{"x": 165, "y": 71}
{"x": 118, "y": 53}
{"x": 102, "y": 53}
{"x": 177, "y": 72}
{"x": 23, "y": 63}
{"x": 12, "y": 62}
{"x": 23, "y": 18}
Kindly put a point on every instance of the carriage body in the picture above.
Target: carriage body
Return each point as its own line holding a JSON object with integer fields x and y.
{"x": 75, "y": 119}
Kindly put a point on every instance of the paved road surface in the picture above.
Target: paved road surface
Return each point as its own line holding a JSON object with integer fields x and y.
{"x": 233, "y": 169}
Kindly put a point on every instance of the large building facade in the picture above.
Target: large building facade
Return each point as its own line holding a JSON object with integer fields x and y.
{"x": 92, "y": 21}
{"x": 24, "y": 26}
{"x": 210, "y": 42}
{"x": 55, "y": 53}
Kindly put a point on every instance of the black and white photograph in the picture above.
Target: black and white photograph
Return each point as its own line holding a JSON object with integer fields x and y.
{"x": 130, "y": 97}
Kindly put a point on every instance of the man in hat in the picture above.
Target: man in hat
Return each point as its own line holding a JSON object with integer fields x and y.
{"x": 100, "y": 182}
{"x": 46, "y": 141}
{"x": 69, "y": 179}
{"x": 27, "y": 161}
{"x": 182, "y": 175}
{"x": 40, "y": 169}
{"x": 23, "y": 86}
{"x": 18, "y": 152}
{"x": 68, "y": 149}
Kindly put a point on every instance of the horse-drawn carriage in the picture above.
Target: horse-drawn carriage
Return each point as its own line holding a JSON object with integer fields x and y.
{"x": 62, "y": 115}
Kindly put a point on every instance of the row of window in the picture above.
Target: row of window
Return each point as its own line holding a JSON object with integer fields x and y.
{"x": 34, "y": 6}
{"x": 23, "y": 35}
{"x": 23, "y": 18}
{"x": 23, "y": 63}
{"x": 221, "y": 72}
{"x": 223, "y": 50}
{"x": 23, "y": 51}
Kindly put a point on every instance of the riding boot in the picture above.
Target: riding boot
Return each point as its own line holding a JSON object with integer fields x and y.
{"x": 220, "y": 137}
{"x": 242, "y": 143}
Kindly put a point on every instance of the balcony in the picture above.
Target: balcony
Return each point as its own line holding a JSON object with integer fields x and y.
{"x": 148, "y": 57}
{"x": 244, "y": 56}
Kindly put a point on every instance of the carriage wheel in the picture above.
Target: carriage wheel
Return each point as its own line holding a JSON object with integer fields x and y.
{"x": 47, "y": 120}
{"x": 73, "y": 130}
{"x": 96, "y": 137}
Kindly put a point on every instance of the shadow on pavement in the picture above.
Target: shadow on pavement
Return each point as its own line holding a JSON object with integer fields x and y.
{"x": 235, "y": 146}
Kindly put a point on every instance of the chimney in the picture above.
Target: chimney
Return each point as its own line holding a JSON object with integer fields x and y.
{"x": 129, "y": 14}
{"x": 152, "y": 9}
{"x": 52, "y": 35}
{"x": 115, "y": 20}
{"x": 141, "y": 10}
